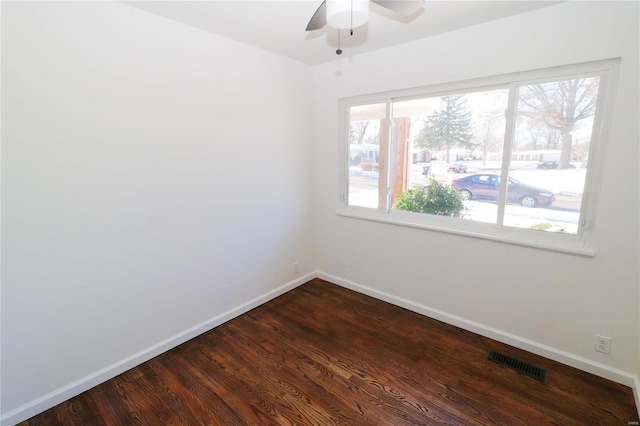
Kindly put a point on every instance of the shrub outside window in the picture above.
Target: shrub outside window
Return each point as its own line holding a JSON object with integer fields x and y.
{"x": 509, "y": 158}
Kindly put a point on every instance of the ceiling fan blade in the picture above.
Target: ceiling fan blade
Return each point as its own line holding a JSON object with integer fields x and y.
{"x": 406, "y": 7}
{"x": 319, "y": 19}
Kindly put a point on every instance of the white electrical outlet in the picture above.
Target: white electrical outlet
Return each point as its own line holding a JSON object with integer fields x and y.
{"x": 296, "y": 268}
{"x": 603, "y": 344}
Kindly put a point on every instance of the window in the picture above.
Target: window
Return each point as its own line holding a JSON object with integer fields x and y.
{"x": 508, "y": 158}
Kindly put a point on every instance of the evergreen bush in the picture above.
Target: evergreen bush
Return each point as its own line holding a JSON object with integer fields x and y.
{"x": 436, "y": 198}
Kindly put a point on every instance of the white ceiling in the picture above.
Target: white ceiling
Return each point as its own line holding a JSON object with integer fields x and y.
{"x": 279, "y": 26}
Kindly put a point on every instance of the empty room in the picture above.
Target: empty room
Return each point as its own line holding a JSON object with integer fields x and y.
{"x": 306, "y": 212}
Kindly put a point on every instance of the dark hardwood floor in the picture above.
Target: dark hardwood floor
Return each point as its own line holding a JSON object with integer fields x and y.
{"x": 323, "y": 355}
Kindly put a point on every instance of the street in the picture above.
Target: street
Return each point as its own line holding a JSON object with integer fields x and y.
{"x": 562, "y": 216}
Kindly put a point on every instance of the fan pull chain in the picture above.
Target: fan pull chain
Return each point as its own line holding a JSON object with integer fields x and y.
{"x": 339, "y": 51}
{"x": 351, "y": 26}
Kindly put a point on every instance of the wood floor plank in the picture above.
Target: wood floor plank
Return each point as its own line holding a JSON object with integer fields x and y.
{"x": 324, "y": 355}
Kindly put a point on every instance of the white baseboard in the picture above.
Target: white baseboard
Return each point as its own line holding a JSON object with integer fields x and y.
{"x": 563, "y": 357}
{"x": 64, "y": 393}
{"x": 636, "y": 393}
{"x": 60, "y": 395}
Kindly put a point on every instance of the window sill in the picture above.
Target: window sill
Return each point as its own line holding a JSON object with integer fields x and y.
{"x": 561, "y": 243}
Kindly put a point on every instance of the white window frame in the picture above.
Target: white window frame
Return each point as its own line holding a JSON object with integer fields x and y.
{"x": 580, "y": 244}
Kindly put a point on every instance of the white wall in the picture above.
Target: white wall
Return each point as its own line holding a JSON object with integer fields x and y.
{"x": 154, "y": 177}
{"x": 155, "y": 180}
{"x": 551, "y": 303}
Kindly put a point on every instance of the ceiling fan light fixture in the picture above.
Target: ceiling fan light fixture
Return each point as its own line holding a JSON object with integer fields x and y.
{"x": 347, "y": 14}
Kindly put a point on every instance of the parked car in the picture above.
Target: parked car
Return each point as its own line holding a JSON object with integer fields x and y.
{"x": 548, "y": 165}
{"x": 486, "y": 187}
{"x": 553, "y": 165}
{"x": 457, "y": 168}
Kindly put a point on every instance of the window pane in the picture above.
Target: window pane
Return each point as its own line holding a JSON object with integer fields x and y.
{"x": 366, "y": 176}
{"x": 549, "y": 155}
{"x": 456, "y": 140}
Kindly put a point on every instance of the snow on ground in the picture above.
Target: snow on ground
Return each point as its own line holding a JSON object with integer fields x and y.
{"x": 564, "y": 182}
{"x": 568, "y": 183}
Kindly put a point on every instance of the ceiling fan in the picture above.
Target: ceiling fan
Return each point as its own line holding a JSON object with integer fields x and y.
{"x": 349, "y": 14}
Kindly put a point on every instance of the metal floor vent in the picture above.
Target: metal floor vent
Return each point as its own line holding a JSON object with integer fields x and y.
{"x": 519, "y": 366}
